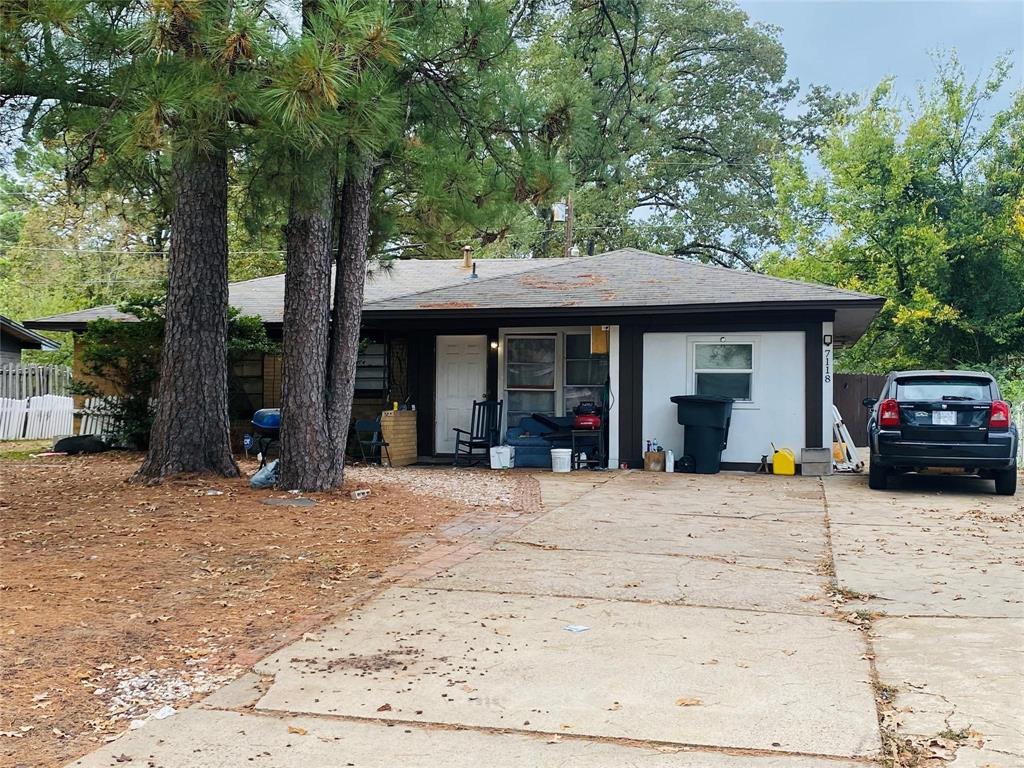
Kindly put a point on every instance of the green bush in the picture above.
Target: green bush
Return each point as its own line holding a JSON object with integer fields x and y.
{"x": 127, "y": 357}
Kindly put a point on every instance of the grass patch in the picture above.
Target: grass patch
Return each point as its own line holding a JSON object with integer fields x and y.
{"x": 20, "y": 450}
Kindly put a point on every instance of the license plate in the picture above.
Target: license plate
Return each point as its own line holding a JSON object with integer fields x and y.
{"x": 946, "y": 418}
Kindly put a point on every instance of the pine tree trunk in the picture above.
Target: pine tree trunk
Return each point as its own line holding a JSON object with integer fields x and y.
{"x": 191, "y": 432}
{"x": 350, "y": 278}
{"x": 307, "y": 460}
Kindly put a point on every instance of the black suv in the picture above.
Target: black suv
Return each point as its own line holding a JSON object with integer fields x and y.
{"x": 942, "y": 419}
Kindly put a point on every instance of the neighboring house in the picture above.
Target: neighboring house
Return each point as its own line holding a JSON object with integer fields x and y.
{"x": 15, "y": 337}
{"x": 544, "y": 334}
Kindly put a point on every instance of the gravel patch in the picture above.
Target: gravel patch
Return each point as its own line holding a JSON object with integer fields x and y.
{"x": 475, "y": 487}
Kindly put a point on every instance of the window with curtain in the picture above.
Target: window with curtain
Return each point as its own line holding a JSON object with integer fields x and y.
{"x": 724, "y": 369}
{"x": 585, "y": 373}
{"x": 530, "y": 384}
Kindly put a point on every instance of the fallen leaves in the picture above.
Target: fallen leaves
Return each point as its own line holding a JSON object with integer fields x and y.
{"x": 167, "y": 590}
{"x": 687, "y": 701}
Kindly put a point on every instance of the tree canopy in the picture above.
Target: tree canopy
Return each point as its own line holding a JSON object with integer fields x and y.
{"x": 183, "y": 143}
{"x": 922, "y": 204}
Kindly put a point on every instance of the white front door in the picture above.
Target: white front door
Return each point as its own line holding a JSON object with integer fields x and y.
{"x": 461, "y": 379}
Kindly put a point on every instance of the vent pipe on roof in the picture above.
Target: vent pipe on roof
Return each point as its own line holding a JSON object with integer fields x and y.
{"x": 473, "y": 275}
{"x": 467, "y": 256}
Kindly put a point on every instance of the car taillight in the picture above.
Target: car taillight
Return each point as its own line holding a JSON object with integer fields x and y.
{"x": 999, "y": 416}
{"x": 889, "y": 413}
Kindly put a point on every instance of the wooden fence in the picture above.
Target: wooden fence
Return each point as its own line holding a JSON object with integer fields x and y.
{"x": 848, "y": 392}
{"x": 20, "y": 382}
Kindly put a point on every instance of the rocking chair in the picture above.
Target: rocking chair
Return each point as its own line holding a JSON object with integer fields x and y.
{"x": 476, "y": 443}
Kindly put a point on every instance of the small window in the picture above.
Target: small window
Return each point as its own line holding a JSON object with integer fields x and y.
{"x": 530, "y": 362}
{"x": 372, "y": 368}
{"x": 723, "y": 369}
{"x": 529, "y": 376}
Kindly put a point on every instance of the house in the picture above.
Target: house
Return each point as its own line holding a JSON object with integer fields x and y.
{"x": 543, "y": 335}
{"x": 14, "y": 337}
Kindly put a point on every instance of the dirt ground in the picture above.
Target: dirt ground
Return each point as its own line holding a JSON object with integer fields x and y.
{"x": 117, "y": 600}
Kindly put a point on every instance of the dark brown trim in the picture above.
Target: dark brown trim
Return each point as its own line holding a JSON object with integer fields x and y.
{"x": 422, "y": 361}
{"x": 767, "y": 316}
{"x": 813, "y": 385}
{"x": 631, "y": 394}
{"x": 509, "y": 314}
{"x": 492, "y": 364}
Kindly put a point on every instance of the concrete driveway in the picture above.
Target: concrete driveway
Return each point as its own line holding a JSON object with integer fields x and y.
{"x": 729, "y": 621}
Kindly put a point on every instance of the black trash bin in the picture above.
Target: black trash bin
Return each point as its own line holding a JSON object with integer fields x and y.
{"x": 706, "y": 418}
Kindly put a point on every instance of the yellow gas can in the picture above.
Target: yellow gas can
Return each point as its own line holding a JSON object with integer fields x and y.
{"x": 784, "y": 462}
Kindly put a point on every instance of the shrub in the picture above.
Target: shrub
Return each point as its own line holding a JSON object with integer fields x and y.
{"x": 126, "y": 356}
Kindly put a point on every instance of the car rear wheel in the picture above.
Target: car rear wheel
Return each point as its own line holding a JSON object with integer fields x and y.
{"x": 878, "y": 477}
{"x": 1006, "y": 481}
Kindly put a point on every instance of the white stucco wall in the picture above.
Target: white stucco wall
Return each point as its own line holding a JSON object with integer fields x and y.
{"x": 776, "y": 413}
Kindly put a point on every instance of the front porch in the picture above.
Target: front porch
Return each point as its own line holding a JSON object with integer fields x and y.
{"x": 776, "y": 367}
{"x": 546, "y": 370}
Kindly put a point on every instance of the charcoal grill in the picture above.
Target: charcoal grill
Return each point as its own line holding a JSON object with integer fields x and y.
{"x": 266, "y": 423}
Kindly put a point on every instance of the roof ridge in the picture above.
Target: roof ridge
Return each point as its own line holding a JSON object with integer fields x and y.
{"x": 479, "y": 279}
{"x": 399, "y": 261}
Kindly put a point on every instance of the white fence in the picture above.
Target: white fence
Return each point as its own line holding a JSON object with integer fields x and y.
{"x": 97, "y": 416}
{"x": 20, "y": 381}
{"x": 36, "y": 418}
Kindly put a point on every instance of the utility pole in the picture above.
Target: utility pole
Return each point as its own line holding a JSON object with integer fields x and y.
{"x": 568, "y": 225}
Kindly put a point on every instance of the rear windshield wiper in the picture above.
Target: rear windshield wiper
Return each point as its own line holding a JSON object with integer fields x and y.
{"x": 956, "y": 397}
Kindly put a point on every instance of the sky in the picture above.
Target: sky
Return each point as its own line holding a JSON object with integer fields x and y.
{"x": 851, "y": 45}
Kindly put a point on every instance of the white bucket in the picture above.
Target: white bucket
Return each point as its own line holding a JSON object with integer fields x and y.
{"x": 503, "y": 457}
{"x": 561, "y": 459}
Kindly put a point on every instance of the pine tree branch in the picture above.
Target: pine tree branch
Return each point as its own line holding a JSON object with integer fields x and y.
{"x": 12, "y": 87}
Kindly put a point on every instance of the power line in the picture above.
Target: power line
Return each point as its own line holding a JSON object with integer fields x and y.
{"x": 123, "y": 251}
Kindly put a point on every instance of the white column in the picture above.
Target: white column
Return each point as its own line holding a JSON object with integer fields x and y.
{"x": 828, "y": 365}
{"x": 613, "y": 410}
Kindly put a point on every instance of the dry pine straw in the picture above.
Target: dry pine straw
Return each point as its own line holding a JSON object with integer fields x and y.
{"x": 102, "y": 580}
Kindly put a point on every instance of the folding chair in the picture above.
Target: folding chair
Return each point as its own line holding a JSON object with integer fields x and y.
{"x": 372, "y": 445}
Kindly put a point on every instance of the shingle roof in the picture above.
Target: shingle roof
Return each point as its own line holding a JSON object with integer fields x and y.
{"x": 623, "y": 280}
{"x": 264, "y": 296}
{"x": 73, "y": 320}
{"x": 29, "y": 339}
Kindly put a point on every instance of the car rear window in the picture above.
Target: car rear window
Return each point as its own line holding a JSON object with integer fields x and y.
{"x": 942, "y": 389}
